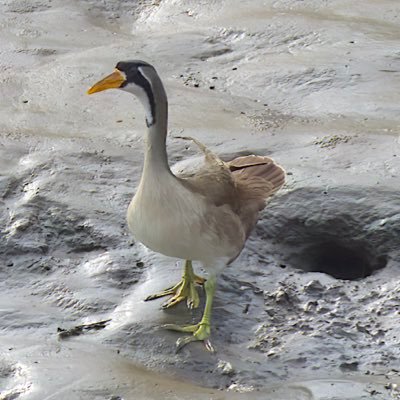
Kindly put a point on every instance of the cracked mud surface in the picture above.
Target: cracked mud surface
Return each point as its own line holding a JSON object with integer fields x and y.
{"x": 310, "y": 310}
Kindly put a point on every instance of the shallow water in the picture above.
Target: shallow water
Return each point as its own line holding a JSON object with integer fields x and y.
{"x": 313, "y": 84}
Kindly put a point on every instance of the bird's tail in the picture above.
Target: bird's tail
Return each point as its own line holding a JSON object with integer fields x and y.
{"x": 258, "y": 173}
{"x": 256, "y": 179}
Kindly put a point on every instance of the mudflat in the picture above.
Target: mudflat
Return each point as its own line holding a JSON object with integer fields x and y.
{"x": 310, "y": 310}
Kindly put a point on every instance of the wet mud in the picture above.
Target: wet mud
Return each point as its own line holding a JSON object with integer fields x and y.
{"x": 310, "y": 309}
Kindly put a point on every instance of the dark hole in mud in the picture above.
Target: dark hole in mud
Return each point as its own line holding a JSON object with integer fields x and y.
{"x": 341, "y": 261}
{"x": 348, "y": 233}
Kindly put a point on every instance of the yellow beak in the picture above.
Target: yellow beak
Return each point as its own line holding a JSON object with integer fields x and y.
{"x": 112, "y": 81}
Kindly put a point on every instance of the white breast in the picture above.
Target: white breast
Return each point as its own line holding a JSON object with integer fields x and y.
{"x": 170, "y": 219}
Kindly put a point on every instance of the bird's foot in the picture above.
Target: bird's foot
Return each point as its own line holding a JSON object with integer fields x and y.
{"x": 200, "y": 332}
{"x": 185, "y": 289}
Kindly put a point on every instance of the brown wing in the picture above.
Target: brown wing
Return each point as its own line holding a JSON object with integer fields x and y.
{"x": 244, "y": 183}
{"x": 213, "y": 180}
{"x": 256, "y": 179}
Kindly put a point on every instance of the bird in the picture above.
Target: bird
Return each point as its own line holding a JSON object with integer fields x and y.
{"x": 200, "y": 216}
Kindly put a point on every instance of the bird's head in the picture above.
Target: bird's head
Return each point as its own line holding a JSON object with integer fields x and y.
{"x": 136, "y": 77}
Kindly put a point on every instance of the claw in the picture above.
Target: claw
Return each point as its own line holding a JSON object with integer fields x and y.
{"x": 209, "y": 346}
{"x": 184, "y": 289}
{"x": 172, "y": 302}
{"x": 200, "y": 332}
{"x": 193, "y": 300}
{"x": 184, "y": 340}
{"x": 166, "y": 292}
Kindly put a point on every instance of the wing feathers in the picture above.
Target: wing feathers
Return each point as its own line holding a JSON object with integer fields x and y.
{"x": 244, "y": 183}
{"x": 245, "y": 169}
{"x": 256, "y": 178}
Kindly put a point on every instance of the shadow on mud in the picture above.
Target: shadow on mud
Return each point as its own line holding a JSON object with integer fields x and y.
{"x": 344, "y": 232}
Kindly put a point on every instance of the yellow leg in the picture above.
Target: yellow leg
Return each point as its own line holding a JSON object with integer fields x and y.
{"x": 202, "y": 330}
{"x": 184, "y": 289}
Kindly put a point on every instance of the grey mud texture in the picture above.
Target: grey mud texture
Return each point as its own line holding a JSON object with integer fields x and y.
{"x": 310, "y": 309}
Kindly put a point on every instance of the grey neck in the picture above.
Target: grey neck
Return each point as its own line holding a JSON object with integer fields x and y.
{"x": 156, "y": 158}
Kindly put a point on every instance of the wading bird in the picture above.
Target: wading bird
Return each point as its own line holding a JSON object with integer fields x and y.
{"x": 204, "y": 216}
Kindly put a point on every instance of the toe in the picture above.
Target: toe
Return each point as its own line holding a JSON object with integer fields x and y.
{"x": 183, "y": 341}
{"x": 193, "y": 300}
{"x": 167, "y": 292}
{"x": 173, "y": 301}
